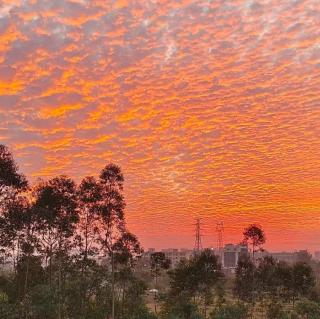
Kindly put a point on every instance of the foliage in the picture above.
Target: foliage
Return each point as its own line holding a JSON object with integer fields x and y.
{"x": 192, "y": 284}
{"x": 61, "y": 240}
{"x": 255, "y": 237}
{"x": 308, "y": 309}
{"x": 158, "y": 262}
{"x": 231, "y": 311}
{"x": 245, "y": 279}
{"x": 275, "y": 311}
{"x": 302, "y": 280}
{"x": 9, "y": 175}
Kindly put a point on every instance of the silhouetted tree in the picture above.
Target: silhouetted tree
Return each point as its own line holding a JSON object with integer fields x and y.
{"x": 255, "y": 237}
{"x": 112, "y": 213}
{"x": 266, "y": 278}
{"x": 245, "y": 283}
{"x": 303, "y": 280}
{"x": 55, "y": 205}
{"x": 12, "y": 203}
{"x": 194, "y": 281}
{"x": 158, "y": 262}
{"x": 86, "y": 241}
{"x": 9, "y": 175}
{"x": 88, "y": 231}
{"x": 283, "y": 277}
{"x": 55, "y": 234}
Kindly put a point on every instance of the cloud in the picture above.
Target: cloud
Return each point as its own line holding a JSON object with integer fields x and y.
{"x": 210, "y": 107}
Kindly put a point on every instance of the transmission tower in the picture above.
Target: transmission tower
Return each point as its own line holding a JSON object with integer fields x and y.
{"x": 219, "y": 230}
{"x": 197, "y": 244}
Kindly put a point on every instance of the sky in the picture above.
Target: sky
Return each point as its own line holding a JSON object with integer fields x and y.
{"x": 211, "y": 108}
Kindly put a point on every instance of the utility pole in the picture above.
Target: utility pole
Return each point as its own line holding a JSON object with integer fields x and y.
{"x": 197, "y": 244}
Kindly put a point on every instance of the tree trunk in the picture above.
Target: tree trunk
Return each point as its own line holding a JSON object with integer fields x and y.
{"x": 25, "y": 287}
{"x": 59, "y": 290}
{"x": 112, "y": 280}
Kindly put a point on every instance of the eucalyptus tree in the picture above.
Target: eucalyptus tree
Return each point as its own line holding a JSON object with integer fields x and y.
{"x": 158, "y": 262}
{"x": 12, "y": 184}
{"x": 126, "y": 250}
{"x": 57, "y": 216}
{"x": 9, "y": 171}
{"x": 86, "y": 240}
{"x": 112, "y": 214}
{"x": 89, "y": 199}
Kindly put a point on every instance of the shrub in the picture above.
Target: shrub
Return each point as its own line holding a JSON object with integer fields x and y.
{"x": 231, "y": 311}
{"x": 275, "y": 311}
{"x": 308, "y": 308}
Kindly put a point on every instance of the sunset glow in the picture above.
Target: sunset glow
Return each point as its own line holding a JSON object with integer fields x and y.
{"x": 211, "y": 108}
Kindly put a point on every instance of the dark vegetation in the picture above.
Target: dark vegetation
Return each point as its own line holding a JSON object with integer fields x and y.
{"x": 66, "y": 254}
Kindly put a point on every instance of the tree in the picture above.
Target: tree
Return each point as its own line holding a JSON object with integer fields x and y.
{"x": 86, "y": 242}
{"x": 12, "y": 183}
{"x": 255, "y": 237}
{"x": 158, "y": 262}
{"x": 9, "y": 175}
{"x": 245, "y": 284}
{"x": 283, "y": 280}
{"x": 126, "y": 249}
{"x": 88, "y": 231}
{"x": 112, "y": 213}
{"x": 43, "y": 302}
{"x": 303, "y": 280}
{"x": 266, "y": 279}
{"x": 57, "y": 216}
{"x": 193, "y": 281}
{"x": 55, "y": 231}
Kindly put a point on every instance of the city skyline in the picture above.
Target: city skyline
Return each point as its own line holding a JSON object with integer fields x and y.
{"x": 210, "y": 108}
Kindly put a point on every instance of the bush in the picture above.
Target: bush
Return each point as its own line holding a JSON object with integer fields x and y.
{"x": 231, "y": 311}
{"x": 308, "y": 308}
{"x": 275, "y": 311}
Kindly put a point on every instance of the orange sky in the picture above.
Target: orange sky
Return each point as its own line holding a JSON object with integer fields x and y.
{"x": 211, "y": 108}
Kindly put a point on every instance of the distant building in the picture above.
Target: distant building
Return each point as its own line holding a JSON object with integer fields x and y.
{"x": 317, "y": 255}
{"x": 292, "y": 257}
{"x": 231, "y": 255}
{"x": 176, "y": 255}
{"x": 288, "y": 257}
